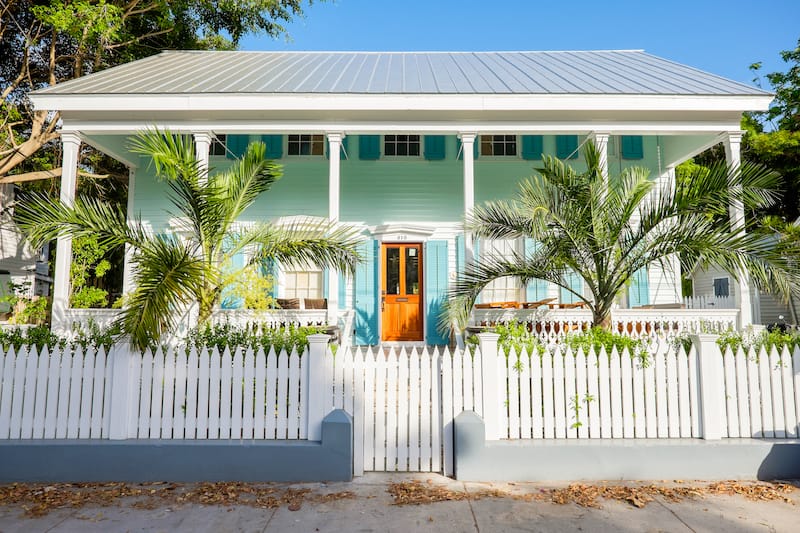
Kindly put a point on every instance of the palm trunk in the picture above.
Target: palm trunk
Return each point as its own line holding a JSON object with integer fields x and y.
{"x": 601, "y": 317}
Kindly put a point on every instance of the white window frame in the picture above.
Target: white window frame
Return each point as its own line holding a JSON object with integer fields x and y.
{"x": 518, "y": 290}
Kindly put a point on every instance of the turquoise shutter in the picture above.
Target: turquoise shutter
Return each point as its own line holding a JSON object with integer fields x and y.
{"x": 632, "y": 147}
{"x": 274, "y": 145}
{"x": 269, "y": 268}
{"x": 343, "y": 292}
{"x": 475, "y": 148}
{"x": 461, "y": 254}
{"x": 366, "y": 289}
{"x": 325, "y": 287}
{"x": 639, "y": 291}
{"x": 342, "y": 150}
{"x": 229, "y": 301}
{"x": 532, "y": 147}
{"x": 434, "y": 147}
{"x": 435, "y": 290}
{"x": 369, "y": 147}
{"x": 236, "y": 145}
{"x": 576, "y": 284}
{"x": 566, "y": 146}
{"x": 537, "y": 288}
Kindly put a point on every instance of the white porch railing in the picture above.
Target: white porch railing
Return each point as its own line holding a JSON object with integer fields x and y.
{"x": 271, "y": 318}
{"x": 551, "y": 325}
{"x": 709, "y": 302}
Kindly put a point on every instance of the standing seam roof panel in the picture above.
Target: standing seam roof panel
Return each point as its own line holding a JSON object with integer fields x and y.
{"x": 623, "y": 85}
{"x": 657, "y": 82}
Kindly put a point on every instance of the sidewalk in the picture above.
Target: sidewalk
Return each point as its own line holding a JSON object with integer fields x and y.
{"x": 366, "y": 505}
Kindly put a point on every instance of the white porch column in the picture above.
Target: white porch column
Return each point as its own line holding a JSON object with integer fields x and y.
{"x": 733, "y": 143}
{"x": 127, "y": 272}
{"x": 71, "y": 144}
{"x": 600, "y": 140}
{"x": 467, "y": 147}
{"x": 202, "y": 147}
{"x": 334, "y": 173}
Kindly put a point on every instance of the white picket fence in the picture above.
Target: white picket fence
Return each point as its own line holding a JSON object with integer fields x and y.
{"x": 403, "y": 401}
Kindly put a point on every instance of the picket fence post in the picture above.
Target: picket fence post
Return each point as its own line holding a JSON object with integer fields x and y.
{"x": 121, "y": 357}
{"x": 317, "y": 384}
{"x": 712, "y": 389}
{"x": 493, "y": 394}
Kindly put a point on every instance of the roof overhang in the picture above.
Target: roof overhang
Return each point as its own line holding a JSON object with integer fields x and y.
{"x": 394, "y": 102}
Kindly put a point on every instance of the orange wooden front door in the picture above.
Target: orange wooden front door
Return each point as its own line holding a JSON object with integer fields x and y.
{"x": 401, "y": 292}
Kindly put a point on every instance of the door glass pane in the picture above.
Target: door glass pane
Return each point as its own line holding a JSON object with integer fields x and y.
{"x": 412, "y": 271}
{"x": 392, "y": 271}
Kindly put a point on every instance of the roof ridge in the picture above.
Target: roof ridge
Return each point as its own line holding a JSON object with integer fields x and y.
{"x": 623, "y": 50}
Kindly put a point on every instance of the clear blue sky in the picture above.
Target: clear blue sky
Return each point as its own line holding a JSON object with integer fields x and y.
{"x": 723, "y": 37}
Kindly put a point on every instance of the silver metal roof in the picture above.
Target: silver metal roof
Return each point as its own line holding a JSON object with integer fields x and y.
{"x": 579, "y": 72}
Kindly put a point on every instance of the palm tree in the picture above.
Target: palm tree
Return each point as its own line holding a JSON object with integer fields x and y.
{"x": 605, "y": 229}
{"x": 193, "y": 266}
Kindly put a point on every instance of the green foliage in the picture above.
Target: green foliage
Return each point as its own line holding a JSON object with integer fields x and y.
{"x": 253, "y": 288}
{"x": 39, "y": 336}
{"x": 94, "y": 336}
{"x": 575, "y": 407}
{"x": 88, "y": 261}
{"x": 748, "y": 340}
{"x": 24, "y": 309}
{"x": 597, "y": 338}
{"x": 254, "y": 336}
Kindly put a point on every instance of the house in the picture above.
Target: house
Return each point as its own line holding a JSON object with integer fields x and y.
{"x": 402, "y": 144}
{"x": 26, "y": 268}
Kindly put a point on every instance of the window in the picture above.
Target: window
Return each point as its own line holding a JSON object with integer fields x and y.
{"x": 302, "y": 284}
{"x": 498, "y": 145}
{"x": 218, "y": 144}
{"x": 402, "y": 145}
{"x": 502, "y": 289}
{"x": 306, "y": 144}
{"x": 721, "y": 287}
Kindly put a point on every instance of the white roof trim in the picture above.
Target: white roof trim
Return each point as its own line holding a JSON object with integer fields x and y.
{"x": 372, "y": 102}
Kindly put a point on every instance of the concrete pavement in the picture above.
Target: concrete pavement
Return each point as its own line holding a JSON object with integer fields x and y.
{"x": 371, "y": 509}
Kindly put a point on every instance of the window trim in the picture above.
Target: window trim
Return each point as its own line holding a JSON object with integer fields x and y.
{"x": 218, "y": 140}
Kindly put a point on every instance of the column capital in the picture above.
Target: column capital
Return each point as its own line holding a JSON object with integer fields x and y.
{"x": 202, "y": 136}
{"x": 733, "y": 137}
{"x": 335, "y": 136}
{"x": 70, "y": 137}
{"x": 600, "y": 135}
{"x": 467, "y": 136}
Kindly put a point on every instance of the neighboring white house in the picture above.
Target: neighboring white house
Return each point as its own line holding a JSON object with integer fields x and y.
{"x": 402, "y": 145}
{"x": 18, "y": 262}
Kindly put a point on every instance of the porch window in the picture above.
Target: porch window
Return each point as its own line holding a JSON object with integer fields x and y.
{"x": 218, "y": 144}
{"x": 402, "y": 145}
{"x": 302, "y": 284}
{"x": 501, "y": 145}
{"x": 306, "y": 144}
{"x": 503, "y": 289}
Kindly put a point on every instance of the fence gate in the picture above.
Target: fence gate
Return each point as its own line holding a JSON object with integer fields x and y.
{"x": 403, "y": 402}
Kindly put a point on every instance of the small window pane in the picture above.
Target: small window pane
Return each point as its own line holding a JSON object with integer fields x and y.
{"x": 412, "y": 271}
{"x": 401, "y": 145}
{"x": 392, "y": 271}
{"x": 218, "y": 145}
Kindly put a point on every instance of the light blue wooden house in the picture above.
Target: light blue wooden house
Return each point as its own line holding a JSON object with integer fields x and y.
{"x": 402, "y": 144}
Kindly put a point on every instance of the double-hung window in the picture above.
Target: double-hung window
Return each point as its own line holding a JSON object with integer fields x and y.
{"x": 303, "y": 283}
{"x": 305, "y": 144}
{"x": 506, "y": 289}
{"x": 401, "y": 145}
{"x": 499, "y": 145}
{"x": 218, "y": 144}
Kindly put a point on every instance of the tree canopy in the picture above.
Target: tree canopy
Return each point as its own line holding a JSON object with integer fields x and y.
{"x": 46, "y": 42}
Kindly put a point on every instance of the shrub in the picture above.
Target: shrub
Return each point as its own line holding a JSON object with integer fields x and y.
{"x": 253, "y": 336}
{"x": 598, "y": 338}
{"x": 39, "y": 336}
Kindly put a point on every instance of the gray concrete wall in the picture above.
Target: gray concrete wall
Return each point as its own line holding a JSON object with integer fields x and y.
{"x": 183, "y": 460}
{"x": 477, "y": 459}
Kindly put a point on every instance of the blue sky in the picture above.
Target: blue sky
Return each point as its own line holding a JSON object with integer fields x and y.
{"x": 723, "y": 37}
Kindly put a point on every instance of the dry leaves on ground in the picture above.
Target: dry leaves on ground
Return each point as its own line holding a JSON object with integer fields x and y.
{"x": 589, "y": 495}
{"x": 38, "y": 500}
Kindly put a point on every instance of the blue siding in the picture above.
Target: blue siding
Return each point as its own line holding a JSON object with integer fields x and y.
{"x": 639, "y": 291}
{"x": 366, "y": 289}
{"x": 343, "y": 294}
{"x": 435, "y": 289}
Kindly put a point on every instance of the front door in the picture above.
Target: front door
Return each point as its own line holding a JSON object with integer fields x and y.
{"x": 401, "y": 292}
